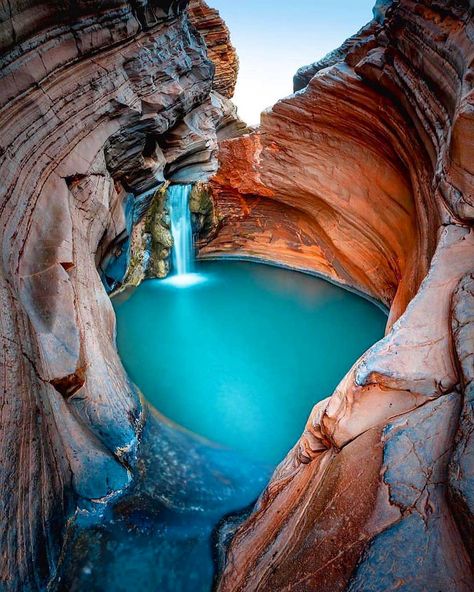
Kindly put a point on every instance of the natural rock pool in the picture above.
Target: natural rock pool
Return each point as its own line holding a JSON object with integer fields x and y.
{"x": 242, "y": 356}
{"x": 239, "y": 357}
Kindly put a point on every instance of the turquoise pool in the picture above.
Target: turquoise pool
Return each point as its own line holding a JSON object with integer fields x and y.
{"x": 241, "y": 356}
{"x": 238, "y": 353}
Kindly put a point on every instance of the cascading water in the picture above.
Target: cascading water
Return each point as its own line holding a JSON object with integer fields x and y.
{"x": 182, "y": 232}
{"x": 181, "y": 228}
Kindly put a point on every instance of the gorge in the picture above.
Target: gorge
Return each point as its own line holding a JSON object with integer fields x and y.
{"x": 363, "y": 177}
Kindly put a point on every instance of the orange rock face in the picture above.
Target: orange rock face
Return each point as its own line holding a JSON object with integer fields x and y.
{"x": 349, "y": 184}
{"x": 220, "y": 50}
{"x": 365, "y": 176}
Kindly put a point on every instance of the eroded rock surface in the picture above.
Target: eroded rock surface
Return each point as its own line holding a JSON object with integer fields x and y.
{"x": 220, "y": 49}
{"x": 88, "y": 95}
{"x": 365, "y": 176}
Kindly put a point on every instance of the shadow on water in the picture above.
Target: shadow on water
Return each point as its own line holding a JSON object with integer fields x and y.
{"x": 159, "y": 537}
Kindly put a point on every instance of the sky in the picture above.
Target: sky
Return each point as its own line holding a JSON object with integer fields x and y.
{"x": 274, "y": 38}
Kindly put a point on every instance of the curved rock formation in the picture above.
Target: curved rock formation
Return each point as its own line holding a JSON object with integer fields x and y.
{"x": 365, "y": 175}
{"x": 88, "y": 95}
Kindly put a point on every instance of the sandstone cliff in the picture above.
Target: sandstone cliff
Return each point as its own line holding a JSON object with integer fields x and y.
{"x": 365, "y": 175}
{"x": 219, "y": 47}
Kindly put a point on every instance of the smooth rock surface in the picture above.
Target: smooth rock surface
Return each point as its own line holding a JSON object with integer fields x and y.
{"x": 365, "y": 176}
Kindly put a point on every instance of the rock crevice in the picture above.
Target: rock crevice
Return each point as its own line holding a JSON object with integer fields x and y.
{"x": 363, "y": 176}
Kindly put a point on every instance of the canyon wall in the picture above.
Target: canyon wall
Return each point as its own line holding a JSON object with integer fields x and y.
{"x": 99, "y": 104}
{"x": 365, "y": 176}
{"x": 219, "y": 47}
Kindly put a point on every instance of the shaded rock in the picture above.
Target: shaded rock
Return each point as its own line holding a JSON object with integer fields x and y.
{"x": 358, "y": 42}
{"x": 191, "y": 147}
{"x": 461, "y": 473}
{"x": 416, "y": 454}
{"x": 86, "y": 94}
{"x": 380, "y": 9}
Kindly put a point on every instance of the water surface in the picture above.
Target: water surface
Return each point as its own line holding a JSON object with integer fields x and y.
{"x": 236, "y": 352}
{"x": 242, "y": 356}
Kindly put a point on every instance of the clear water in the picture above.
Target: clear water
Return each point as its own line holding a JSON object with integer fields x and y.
{"x": 242, "y": 357}
{"x": 239, "y": 357}
{"x": 159, "y": 537}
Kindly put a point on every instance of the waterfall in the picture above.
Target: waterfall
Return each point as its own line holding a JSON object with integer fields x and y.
{"x": 182, "y": 232}
{"x": 181, "y": 228}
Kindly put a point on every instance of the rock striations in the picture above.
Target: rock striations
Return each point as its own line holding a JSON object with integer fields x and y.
{"x": 365, "y": 175}
{"x": 219, "y": 48}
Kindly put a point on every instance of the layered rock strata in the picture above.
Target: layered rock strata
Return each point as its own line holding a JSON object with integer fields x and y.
{"x": 97, "y": 105}
{"x": 220, "y": 49}
{"x": 365, "y": 176}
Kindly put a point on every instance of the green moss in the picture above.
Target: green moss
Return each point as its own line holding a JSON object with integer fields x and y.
{"x": 152, "y": 236}
{"x": 159, "y": 233}
{"x": 150, "y": 243}
{"x": 202, "y": 209}
{"x": 200, "y": 201}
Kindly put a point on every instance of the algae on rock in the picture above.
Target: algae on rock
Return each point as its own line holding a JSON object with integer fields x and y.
{"x": 151, "y": 240}
{"x": 157, "y": 226}
{"x": 202, "y": 210}
{"x": 150, "y": 244}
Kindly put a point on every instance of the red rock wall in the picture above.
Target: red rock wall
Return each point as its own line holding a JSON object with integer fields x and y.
{"x": 365, "y": 176}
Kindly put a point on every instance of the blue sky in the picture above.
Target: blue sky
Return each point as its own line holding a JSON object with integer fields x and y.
{"x": 275, "y": 37}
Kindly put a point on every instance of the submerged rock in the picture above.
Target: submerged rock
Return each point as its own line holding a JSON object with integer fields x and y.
{"x": 87, "y": 93}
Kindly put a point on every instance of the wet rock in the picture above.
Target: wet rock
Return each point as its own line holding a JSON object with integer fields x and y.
{"x": 86, "y": 96}
{"x": 202, "y": 211}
